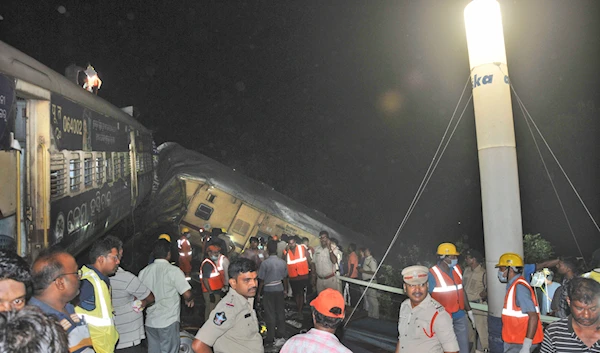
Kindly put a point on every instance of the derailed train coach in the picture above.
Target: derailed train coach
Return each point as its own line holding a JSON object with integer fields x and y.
{"x": 199, "y": 193}
{"x": 73, "y": 165}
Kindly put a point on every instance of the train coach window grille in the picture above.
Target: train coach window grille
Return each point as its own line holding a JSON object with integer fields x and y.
{"x": 118, "y": 167}
{"x": 74, "y": 174}
{"x": 126, "y": 166}
{"x": 109, "y": 167}
{"x": 58, "y": 176}
{"x": 241, "y": 227}
{"x": 88, "y": 170}
{"x": 204, "y": 211}
{"x": 99, "y": 170}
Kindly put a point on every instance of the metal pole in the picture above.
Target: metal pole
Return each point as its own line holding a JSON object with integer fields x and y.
{"x": 496, "y": 146}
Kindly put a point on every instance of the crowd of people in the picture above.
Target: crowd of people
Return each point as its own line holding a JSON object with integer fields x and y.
{"x": 439, "y": 297}
{"x": 53, "y": 305}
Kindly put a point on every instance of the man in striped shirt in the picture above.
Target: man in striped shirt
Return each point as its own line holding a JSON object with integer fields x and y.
{"x": 328, "y": 314}
{"x": 580, "y": 331}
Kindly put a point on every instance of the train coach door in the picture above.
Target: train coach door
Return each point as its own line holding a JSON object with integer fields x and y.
{"x": 13, "y": 180}
{"x": 244, "y": 224}
{"x": 134, "y": 169}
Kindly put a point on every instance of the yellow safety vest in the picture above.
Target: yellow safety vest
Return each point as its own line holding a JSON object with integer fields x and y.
{"x": 100, "y": 320}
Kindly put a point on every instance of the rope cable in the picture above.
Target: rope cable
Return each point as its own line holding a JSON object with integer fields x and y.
{"x": 529, "y": 121}
{"x": 432, "y": 166}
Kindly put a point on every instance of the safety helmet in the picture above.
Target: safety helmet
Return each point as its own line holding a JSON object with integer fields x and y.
{"x": 165, "y": 236}
{"x": 510, "y": 259}
{"x": 185, "y": 230}
{"x": 447, "y": 249}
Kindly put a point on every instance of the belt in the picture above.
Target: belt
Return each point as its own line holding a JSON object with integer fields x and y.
{"x": 274, "y": 283}
{"x": 327, "y": 277}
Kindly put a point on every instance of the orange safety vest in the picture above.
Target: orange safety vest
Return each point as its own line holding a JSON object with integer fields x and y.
{"x": 514, "y": 321}
{"x": 185, "y": 249}
{"x": 448, "y": 291}
{"x": 216, "y": 280}
{"x": 297, "y": 263}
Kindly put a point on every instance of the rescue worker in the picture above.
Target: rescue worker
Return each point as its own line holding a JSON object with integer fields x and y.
{"x": 298, "y": 260}
{"x": 185, "y": 252}
{"x": 212, "y": 280}
{"x": 445, "y": 286}
{"x": 522, "y": 328}
{"x": 233, "y": 326}
{"x": 421, "y": 311}
{"x": 95, "y": 302}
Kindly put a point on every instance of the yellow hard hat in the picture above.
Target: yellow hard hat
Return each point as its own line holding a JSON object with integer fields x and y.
{"x": 185, "y": 230}
{"x": 447, "y": 249}
{"x": 165, "y": 236}
{"x": 510, "y": 259}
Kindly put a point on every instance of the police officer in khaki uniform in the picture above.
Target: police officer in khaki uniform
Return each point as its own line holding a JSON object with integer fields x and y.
{"x": 233, "y": 326}
{"x": 424, "y": 325}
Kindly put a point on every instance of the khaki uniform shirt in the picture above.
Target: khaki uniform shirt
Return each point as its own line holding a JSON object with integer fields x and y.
{"x": 473, "y": 281}
{"x": 323, "y": 264}
{"x": 370, "y": 264}
{"x": 232, "y": 326}
{"x": 414, "y": 327}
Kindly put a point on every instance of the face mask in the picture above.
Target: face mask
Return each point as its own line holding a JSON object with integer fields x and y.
{"x": 214, "y": 258}
{"x": 501, "y": 277}
{"x": 453, "y": 263}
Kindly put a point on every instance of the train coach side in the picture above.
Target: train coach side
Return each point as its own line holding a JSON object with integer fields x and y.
{"x": 73, "y": 165}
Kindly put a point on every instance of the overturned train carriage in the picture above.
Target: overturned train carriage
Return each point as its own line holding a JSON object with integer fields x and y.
{"x": 200, "y": 193}
{"x": 72, "y": 164}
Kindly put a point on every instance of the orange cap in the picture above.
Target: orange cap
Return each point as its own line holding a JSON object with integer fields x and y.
{"x": 214, "y": 248}
{"x": 327, "y": 300}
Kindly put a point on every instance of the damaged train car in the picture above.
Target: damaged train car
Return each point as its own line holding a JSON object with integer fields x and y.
{"x": 200, "y": 193}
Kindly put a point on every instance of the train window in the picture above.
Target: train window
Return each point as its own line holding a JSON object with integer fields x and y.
{"x": 138, "y": 163}
{"x": 74, "y": 173}
{"x": 88, "y": 170}
{"x": 118, "y": 166}
{"x": 99, "y": 170}
{"x": 57, "y": 175}
{"x": 211, "y": 198}
{"x": 109, "y": 166}
{"x": 204, "y": 211}
{"x": 126, "y": 166}
{"x": 241, "y": 227}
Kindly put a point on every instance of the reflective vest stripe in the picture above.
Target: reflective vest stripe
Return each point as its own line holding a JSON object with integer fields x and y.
{"x": 301, "y": 256}
{"x": 183, "y": 245}
{"x": 106, "y": 319}
{"x": 297, "y": 265}
{"x": 445, "y": 287}
{"x": 216, "y": 280}
{"x": 220, "y": 263}
{"x": 514, "y": 321}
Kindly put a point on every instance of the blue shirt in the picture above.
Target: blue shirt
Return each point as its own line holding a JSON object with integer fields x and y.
{"x": 523, "y": 296}
{"x": 87, "y": 299}
{"x": 528, "y": 271}
{"x": 77, "y": 330}
{"x": 431, "y": 281}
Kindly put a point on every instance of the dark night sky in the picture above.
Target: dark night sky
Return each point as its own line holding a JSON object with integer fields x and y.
{"x": 292, "y": 93}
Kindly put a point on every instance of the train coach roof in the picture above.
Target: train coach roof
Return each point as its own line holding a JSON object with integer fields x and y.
{"x": 176, "y": 161}
{"x": 19, "y": 65}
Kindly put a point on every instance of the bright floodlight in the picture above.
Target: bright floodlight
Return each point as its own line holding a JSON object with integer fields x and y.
{"x": 485, "y": 37}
